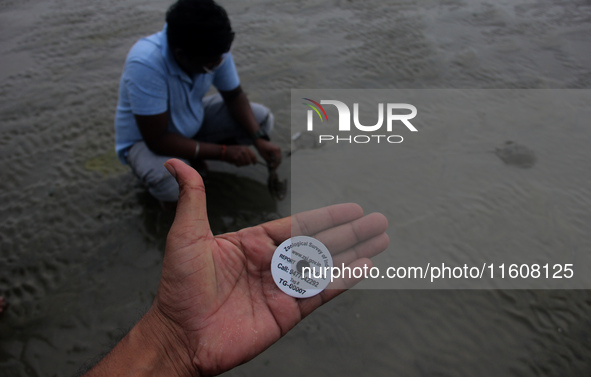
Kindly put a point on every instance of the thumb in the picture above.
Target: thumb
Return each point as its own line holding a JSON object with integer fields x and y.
{"x": 191, "y": 210}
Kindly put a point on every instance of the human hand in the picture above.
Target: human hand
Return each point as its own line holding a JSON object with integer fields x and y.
{"x": 270, "y": 152}
{"x": 217, "y": 293}
{"x": 217, "y": 305}
{"x": 240, "y": 155}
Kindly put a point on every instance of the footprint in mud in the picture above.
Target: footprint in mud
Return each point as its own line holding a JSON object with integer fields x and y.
{"x": 515, "y": 154}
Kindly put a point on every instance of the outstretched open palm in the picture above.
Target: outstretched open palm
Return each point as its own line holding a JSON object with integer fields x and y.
{"x": 217, "y": 293}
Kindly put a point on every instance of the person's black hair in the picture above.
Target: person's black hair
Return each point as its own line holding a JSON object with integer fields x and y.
{"x": 198, "y": 28}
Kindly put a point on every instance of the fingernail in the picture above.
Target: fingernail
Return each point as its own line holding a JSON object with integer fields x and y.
{"x": 170, "y": 169}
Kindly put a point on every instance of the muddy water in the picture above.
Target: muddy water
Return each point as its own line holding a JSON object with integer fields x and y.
{"x": 81, "y": 243}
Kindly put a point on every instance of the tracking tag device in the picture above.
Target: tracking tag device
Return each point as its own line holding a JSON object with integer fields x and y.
{"x": 301, "y": 266}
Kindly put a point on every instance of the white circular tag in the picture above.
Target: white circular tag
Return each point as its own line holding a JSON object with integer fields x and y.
{"x": 301, "y": 266}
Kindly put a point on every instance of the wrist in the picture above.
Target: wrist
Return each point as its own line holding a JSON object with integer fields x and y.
{"x": 164, "y": 353}
{"x": 260, "y": 134}
{"x": 260, "y": 142}
{"x": 151, "y": 348}
{"x": 197, "y": 148}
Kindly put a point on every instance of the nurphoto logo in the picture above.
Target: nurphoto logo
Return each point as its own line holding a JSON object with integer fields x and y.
{"x": 371, "y": 133}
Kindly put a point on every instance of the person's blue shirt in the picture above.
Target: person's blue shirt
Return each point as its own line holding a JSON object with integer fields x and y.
{"x": 152, "y": 83}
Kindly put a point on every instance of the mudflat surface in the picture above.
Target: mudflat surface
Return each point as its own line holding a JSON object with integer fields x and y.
{"x": 81, "y": 242}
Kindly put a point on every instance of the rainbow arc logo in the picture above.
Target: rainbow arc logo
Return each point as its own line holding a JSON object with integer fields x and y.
{"x": 350, "y": 129}
{"x": 315, "y": 108}
{"x": 388, "y": 112}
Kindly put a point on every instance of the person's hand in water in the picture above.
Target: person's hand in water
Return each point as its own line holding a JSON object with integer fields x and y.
{"x": 217, "y": 305}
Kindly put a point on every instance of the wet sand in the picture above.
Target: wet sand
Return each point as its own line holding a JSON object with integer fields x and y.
{"x": 81, "y": 242}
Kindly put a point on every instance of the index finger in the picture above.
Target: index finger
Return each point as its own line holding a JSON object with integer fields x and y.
{"x": 311, "y": 222}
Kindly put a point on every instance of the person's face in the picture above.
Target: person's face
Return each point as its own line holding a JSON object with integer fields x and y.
{"x": 199, "y": 64}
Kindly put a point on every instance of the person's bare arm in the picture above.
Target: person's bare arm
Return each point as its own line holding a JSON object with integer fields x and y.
{"x": 217, "y": 305}
{"x": 239, "y": 107}
{"x": 154, "y": 130}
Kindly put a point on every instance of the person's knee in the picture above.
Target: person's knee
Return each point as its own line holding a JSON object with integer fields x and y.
{"x": 164, "y": 187}
{"x": 268, "y": 123}
{"x": 149, "y": 168}
{"x": 264, "y": 117}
